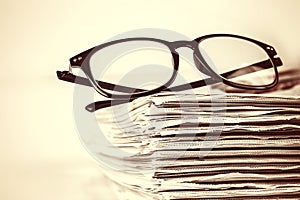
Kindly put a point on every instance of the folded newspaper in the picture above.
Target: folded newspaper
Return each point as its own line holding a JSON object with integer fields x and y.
{"x": 221, "y": 146}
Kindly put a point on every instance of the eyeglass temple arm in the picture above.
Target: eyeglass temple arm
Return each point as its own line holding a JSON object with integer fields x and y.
{"x": 266, "y": 64}
{"x": 69, "y": 77}
{"x": 209, "y": 81}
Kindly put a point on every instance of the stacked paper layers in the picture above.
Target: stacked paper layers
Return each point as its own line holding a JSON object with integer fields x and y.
{"x": 228, "y": 146}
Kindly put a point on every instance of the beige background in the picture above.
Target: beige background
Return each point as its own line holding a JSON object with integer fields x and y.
{"x": 41, "y": 156}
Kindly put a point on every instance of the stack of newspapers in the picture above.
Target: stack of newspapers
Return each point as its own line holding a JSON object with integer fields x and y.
{"x": 222, "y": 146}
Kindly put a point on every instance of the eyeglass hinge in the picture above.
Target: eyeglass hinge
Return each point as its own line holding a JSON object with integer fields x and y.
{"x": 70, "y": 69}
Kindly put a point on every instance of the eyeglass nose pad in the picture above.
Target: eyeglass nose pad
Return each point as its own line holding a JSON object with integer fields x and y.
{"x": 201, "y": 64}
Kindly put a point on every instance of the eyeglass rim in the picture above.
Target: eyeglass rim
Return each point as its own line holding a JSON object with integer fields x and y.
{"x": 271, "y": 52}
{"x": 82, "y": 61}
{"x": 85, "y": 66}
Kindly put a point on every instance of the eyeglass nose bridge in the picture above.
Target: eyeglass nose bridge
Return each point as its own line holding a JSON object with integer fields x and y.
{"x": 198, "y": 59}
{"x": 184, "y": 43}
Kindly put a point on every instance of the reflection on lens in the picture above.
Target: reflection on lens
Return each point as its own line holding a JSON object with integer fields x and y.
{"x": 133, "y": 66}
{"x": 248, "y": 63}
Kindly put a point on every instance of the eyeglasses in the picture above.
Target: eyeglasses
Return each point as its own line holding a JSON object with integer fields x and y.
{"x": 235, "y": 60}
